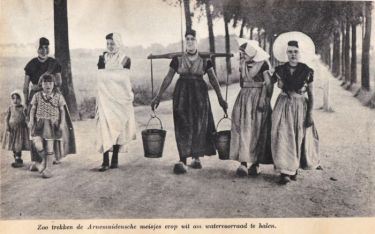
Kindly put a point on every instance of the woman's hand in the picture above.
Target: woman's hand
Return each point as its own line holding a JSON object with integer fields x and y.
{"x": 309, "y": 120}
{"x": 155, "y": 103}
{"x": 223, "y": 105}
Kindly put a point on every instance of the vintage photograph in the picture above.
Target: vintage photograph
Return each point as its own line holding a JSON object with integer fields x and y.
{"x": 186, "y": 109}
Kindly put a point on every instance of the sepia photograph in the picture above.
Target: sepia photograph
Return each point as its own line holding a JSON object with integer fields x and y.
{"x": 237, "y": 115}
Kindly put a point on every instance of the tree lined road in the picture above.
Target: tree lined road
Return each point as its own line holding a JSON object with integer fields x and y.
{"x": 147, "y": 188}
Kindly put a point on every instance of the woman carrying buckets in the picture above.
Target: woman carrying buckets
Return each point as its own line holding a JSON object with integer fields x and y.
{"x": 193, "y": 120}
{"x": 115, "y": 119}
{"x": 251, "y": 115}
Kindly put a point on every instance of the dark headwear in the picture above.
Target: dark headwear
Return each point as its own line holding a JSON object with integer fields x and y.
{"x": 109, "y": 36}
{"x": 191, "y": 32}
{"x": 293, "y": 43}
{"x": 43, "y": 41}
{"x": 46, "y": 78}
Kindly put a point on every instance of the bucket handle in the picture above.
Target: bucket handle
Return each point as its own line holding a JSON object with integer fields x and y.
{"x": 153, "y": 116}
{"x": 225, "y": 117}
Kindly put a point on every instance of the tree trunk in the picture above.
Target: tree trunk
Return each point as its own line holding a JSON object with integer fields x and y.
{"x": 325, "y": 51}
{"x": 347, "y": 51}
{"x": 187, "y": 15}
{"x": 63, "y": 55}
{"x": 336, "y": 54}
{"x": 343, "y": 44}
{"x": 329, "y": 57}
{"x": 270, "y": 49}
{"x": 227, "y": 43}
{"x": 365, "y": 76}
{"x": 259, "y": 38}
{"x": 264, "y": 41}
{"x": 242, "y": 27}
{"x": 353, "y": 67}
{"x": 211, "y": 36}
{"x": 251, "y": 33}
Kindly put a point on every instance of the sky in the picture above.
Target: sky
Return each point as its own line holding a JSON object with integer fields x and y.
{"x": 139, "y": 22}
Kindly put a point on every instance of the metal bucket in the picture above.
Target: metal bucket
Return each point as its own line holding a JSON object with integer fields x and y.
{"x": 153, "y": 140}
{"x": 222, "y": 141}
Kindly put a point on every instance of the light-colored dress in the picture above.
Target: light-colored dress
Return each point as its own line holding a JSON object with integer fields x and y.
{"x": 17, "y": 138}
{"x": 293, "y": 145}
{"x": 251, "y": 122}
{"x": 115, "y": 118}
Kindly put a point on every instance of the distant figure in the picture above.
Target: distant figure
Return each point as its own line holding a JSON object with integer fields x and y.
{"x": 47, "y": 118}
{"x": 115, "y": 118}
{"x": 293, "y": 136}
{"x": 16, "y": 137}
{"x": 251, "y": 115}
{"x": 193, "y": 121}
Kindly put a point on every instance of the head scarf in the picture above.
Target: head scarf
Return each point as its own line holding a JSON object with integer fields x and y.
{"x": 20, "y": 94}
{"x": 252, "y": 49}
{"x": 116, "y": 37}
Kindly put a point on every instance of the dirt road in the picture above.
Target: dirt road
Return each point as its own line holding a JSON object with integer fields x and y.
{"x": 147, "y": 188}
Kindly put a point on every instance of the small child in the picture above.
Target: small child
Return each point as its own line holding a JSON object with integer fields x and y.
{"x": 46, "y": 121}
{"x": 16, "y": 137}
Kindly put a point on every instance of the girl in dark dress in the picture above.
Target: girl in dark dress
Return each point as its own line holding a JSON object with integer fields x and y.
{"x": 193, "y": 120}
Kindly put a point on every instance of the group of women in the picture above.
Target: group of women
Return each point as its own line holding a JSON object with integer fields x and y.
{"x": 259, "y": 135}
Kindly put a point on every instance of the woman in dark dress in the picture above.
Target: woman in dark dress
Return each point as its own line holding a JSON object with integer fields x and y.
{"x": 34, "y": 69}
{"x": 193, "y": 120}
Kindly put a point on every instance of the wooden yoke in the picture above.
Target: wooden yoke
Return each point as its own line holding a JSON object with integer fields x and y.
{"x": 179, "y": 54}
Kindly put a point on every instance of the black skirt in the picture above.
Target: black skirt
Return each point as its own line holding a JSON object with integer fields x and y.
{"x": 193, "y": 120}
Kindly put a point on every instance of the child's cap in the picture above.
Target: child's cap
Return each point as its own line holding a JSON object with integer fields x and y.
{"x": 19, "y": 94}
{"x": 46, "y": 78}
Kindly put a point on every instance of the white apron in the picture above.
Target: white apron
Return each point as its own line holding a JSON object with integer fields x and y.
{"x": 114, "y": 106}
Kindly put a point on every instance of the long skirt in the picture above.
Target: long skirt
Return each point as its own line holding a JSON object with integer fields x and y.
{"x": 293, "y": 146}
{"x": 193, "y": 120}
{"x": 251, "y": 127}
{"x": 115, "y": 119}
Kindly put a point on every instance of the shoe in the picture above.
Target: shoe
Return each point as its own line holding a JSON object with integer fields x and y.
{"x": 56, "y": 162}
{"x": 179, "y": 168}
{"x": 254, "y": 170}
{"x": 103, "y": 168}
{"x": 196, "y": 163}
{"x": 46, "y": 173}
{"x": 294, "y": 177}
{"x": 284, "y": 179}
{"x": 242, "y": 171}
{"x": 33, "y": 167}
{"x": 18, "y": 163}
